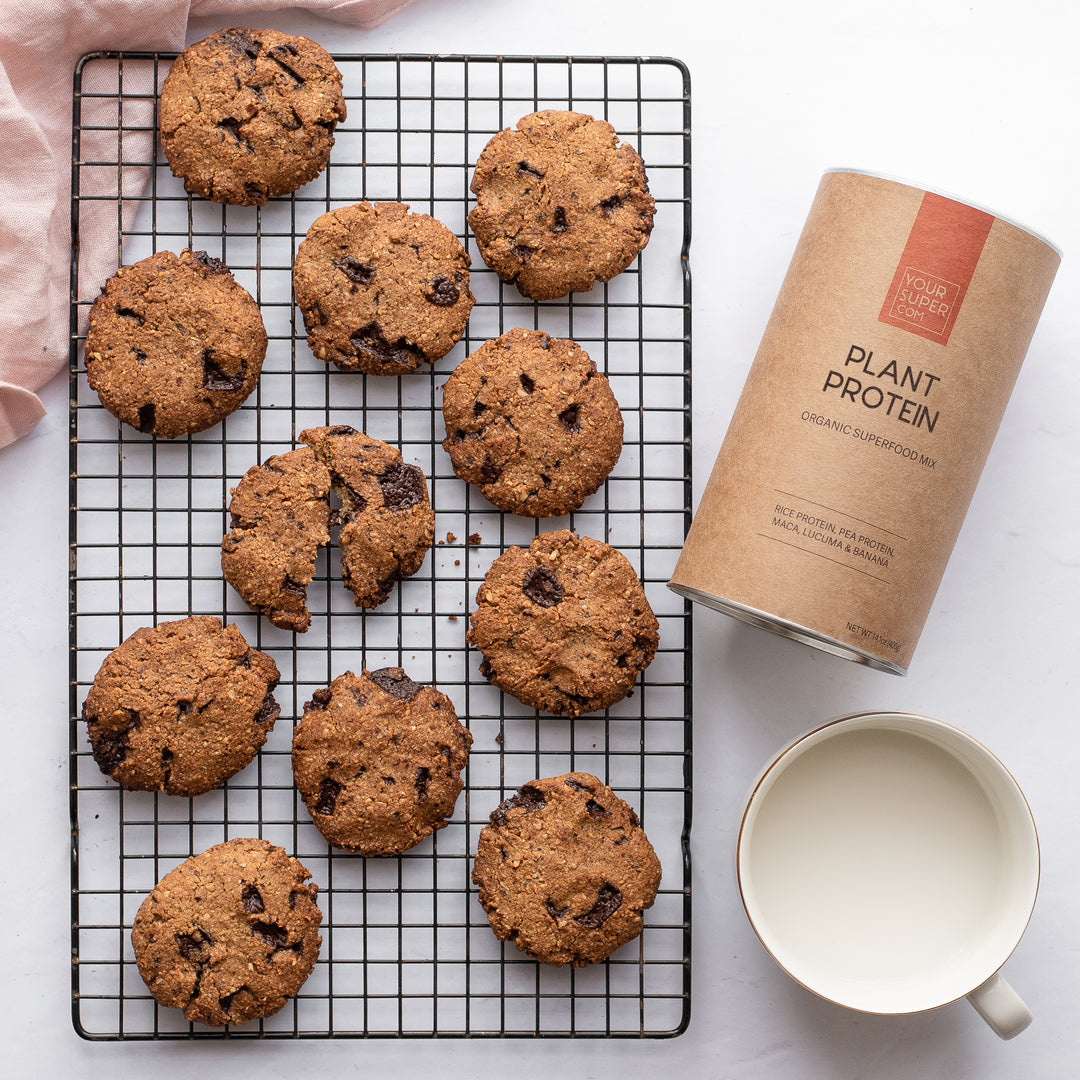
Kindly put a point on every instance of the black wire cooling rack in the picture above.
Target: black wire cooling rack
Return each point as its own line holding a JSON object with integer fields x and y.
{"x": 407, "y": 949}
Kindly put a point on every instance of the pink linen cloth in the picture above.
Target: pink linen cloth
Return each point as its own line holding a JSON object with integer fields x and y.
{"x": 40, "y": 43}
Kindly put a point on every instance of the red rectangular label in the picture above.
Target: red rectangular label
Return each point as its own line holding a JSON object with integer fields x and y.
{"x": 935, "y": 268}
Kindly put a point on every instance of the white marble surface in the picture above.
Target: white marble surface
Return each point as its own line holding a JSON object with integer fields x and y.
{"x": 972, "y": 97}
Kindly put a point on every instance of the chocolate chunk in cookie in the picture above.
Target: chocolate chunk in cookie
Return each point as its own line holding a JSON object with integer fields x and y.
{"x": 560, "y": 204}
{"x": 565, "y": 626}
{"x": 250, "y": 114}
{"x": 565, "y": 870}
{"x": 387, "y": 524}
{"x": 229, "y": 935}
{"x": 532, "y": 423}
{"x": 378, "y": 761}
{"x": 180, "y": 707}
{"x": 175, "y": 344}
{"x": 382, "y": 290}
{"x": 280, "y": 518}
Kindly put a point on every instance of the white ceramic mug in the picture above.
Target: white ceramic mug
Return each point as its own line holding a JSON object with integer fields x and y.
{"x": 889, "y": 863}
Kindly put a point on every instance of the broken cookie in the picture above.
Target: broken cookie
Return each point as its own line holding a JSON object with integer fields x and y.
{"x": 281, "y": 516}
{"x": 387, "y": 524}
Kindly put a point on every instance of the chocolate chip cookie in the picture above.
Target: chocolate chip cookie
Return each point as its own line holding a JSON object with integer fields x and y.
{"x": 230, "y": 934}
{"x": 565, "y": 626}
{"x": 175, "y": 343}
{"x": 560, "y": 204}
{"x": 565, "y": 870}
{"x": 180, "y": 707}
{"x": 250, "y": 114}
{"x": 532, "y": 423}
{"x": 382, "y": 290}
{"x": 280, "y": 517}
{"x": 378, "y": 760}
{"x": 387, "y": 524}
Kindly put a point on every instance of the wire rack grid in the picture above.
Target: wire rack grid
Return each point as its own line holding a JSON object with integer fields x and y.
{"x": 407, "y": 950}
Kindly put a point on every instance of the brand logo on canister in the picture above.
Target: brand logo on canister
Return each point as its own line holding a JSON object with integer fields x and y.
{"x": 935, "y": 268}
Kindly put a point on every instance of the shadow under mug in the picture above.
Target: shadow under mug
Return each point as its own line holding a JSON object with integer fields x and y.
{"x": 889, "y": 863}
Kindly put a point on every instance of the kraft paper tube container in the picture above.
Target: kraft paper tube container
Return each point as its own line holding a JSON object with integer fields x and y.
{"x": 866, "y": 418}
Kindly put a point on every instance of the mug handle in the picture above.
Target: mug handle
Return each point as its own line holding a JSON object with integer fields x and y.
{"x": 1000, "y": 1006}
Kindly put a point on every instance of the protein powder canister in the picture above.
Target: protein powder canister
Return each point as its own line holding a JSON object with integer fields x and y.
{"x": 866, "y": 418}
